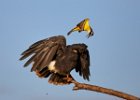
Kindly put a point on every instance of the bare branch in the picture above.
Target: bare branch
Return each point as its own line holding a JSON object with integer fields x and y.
{"x": 83, "y": 86}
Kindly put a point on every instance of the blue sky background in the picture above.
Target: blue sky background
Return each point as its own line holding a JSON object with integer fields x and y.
{"x": 114, "y": 49}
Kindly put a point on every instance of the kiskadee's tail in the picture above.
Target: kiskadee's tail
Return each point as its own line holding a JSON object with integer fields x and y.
{"x": 74, "y": 29}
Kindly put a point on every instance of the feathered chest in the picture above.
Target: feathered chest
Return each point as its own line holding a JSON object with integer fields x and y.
{"x": 67, "y": 60}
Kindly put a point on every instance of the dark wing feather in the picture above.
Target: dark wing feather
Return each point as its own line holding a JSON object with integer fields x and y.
{"x": 46, "y": 58}
{"x": 81, "y": 25}
{"x": 83, "y": 61}
{"x": 43, "y": 52}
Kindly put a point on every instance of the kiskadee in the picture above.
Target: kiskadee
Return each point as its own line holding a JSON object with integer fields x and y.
{"x": 83, "y": 26}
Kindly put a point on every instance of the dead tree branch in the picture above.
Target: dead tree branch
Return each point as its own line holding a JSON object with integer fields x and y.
{"x": 83, "y": 86}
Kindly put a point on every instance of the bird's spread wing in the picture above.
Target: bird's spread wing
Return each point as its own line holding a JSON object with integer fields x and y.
{"x": 43, "y": 52}
{"x": 82, "y": 24}
{"x": 83, "y": 61}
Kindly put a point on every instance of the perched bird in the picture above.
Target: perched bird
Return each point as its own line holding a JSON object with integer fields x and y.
{"x": 52, "y": 57}
{"x": 83, "y": 26}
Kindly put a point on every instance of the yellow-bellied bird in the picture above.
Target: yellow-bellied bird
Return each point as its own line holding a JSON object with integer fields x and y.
{"x": 52, "y": 57}
{"x": 83, "y": 26}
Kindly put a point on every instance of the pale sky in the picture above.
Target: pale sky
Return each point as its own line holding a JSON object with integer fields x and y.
{"x": 114, "y": 49}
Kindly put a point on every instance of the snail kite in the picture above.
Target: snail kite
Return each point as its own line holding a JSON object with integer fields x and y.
{"x": 52, "y": 58}
{"x": 83, "y": 26}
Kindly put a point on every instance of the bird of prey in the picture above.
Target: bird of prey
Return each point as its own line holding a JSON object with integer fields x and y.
{"x": 52, "y": 58}
{"x": 83, "y": 26}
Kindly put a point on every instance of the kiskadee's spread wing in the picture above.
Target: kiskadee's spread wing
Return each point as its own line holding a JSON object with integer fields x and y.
{"x": 83, "y": 62}
{"x": 86, "y": 26}
{"x": 82, "y": 24}
{"x": 43, "y": 52}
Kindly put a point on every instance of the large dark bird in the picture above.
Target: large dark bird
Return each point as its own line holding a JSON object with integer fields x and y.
{"x": 52, "y": 57}
{"x": 83, "y": 26}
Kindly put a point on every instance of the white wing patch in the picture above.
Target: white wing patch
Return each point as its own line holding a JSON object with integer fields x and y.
{"x": 52, "y": 66}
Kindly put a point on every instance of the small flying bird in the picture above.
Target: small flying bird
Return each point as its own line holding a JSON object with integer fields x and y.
{"x": 52, "y": 58}
{"x": 83, "y": 26}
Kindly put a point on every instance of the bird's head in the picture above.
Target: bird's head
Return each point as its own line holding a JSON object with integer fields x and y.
{"x": 90, "y": 33}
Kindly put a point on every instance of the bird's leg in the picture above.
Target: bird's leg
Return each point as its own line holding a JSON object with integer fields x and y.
{"x": 69, "y": 78}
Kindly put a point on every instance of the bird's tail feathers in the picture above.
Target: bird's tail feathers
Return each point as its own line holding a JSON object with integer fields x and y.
{"x": 43, "y": 73}
{"x": 58, "y": 79}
